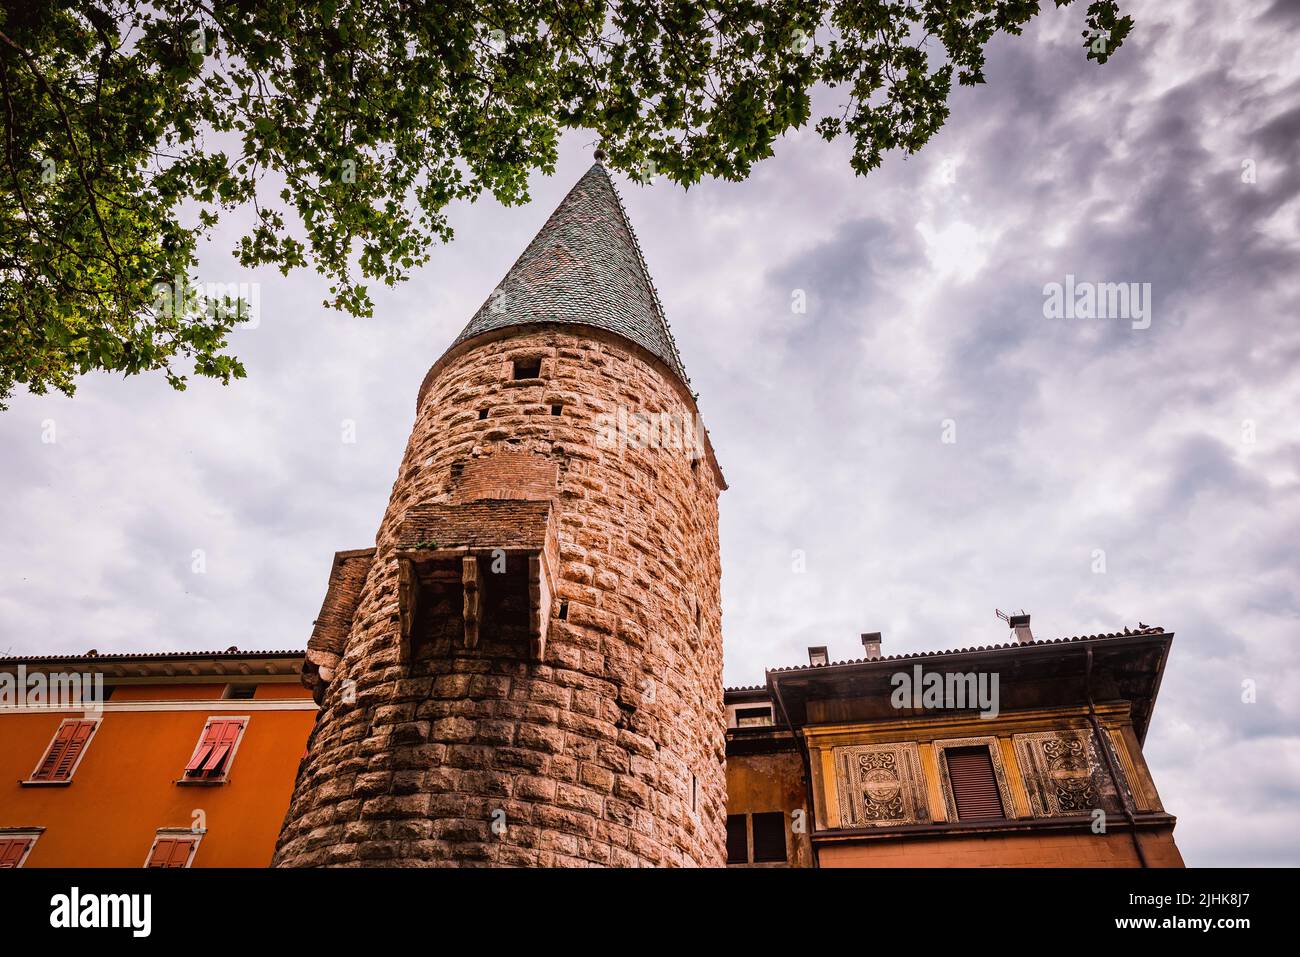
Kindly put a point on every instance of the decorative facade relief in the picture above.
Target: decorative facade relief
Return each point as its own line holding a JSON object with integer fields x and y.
{"x": 1064, "y": 773}
{"x": 880, "y": 784}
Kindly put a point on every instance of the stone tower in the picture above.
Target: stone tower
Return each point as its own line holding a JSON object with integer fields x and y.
{"x": 526, "y": 669}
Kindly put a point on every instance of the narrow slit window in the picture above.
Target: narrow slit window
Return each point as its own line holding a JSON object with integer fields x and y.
{"x": 240, "y": 692}
{"x": 557, "y": 410}
{"x": 528, "y": 368}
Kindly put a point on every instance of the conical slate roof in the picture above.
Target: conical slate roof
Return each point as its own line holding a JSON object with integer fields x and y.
{"x": 585, "y": 267}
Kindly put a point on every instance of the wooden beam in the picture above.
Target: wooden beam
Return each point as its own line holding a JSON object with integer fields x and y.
{"x": 408, "y": 596}
{"x": 473, "y": 584}
{"x": 539, "y": 607}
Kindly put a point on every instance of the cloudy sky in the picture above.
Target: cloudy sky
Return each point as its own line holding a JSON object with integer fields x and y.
{"x": 1101, "y": 474}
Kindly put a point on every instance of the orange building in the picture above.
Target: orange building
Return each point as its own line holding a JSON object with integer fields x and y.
{"x": 188, "y": 761}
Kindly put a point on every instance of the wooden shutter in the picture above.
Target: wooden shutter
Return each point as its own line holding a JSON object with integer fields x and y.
{"x": 769, "y": 837}
{"x": 170, "y": 852}
{"x": 974, "y": 785}
{"x": 12, "y": 850}
{"x": 69, "y": 741}
{"x": 212, "y": 755}
{"x": 737, "y": 839}
{"x": 225, "y": 736}
{"x": 206, "y": 742}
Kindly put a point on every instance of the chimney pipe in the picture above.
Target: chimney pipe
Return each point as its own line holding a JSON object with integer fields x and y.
{"x": 1020, "y": 626}
{"x": 871, "y": 644}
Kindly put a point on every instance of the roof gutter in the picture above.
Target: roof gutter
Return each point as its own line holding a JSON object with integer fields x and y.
{"x": 807, "y": 762}
{"x": 1104, "y": 745}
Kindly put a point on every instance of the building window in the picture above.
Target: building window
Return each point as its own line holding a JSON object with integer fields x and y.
{"x": 172, "y": 848}
{"x": 754, "y": 717}
{"x": 769, "y": 837}
{"x": 557, "y": 410}
{"x": 216, "y": 751}
{"x": 240, "y": 692}
{"x": 737, "y": 839}
{"x": 482, "y": 414}
{"x": 974, "y": 784}
{"x": 15, "y": 846}
{"x": 528, "y": 368}
{"x": 65, "y": 751}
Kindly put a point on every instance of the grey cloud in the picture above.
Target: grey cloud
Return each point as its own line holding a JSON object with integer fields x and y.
{"x": 1072, "y": 437}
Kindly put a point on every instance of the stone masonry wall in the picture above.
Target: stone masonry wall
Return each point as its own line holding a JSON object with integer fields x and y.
{"x": 608, "y": 752}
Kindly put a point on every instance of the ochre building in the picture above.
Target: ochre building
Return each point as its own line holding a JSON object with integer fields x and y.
{"x": 847, "y": 764}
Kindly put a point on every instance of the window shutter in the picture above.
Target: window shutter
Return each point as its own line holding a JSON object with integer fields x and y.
{"x": 204, "y": 750}
{"x": 162, "y": 853}
{"x": 69, "y": 741}
{"x": 737, "y": 839}
{"x": 180, "y": 853}
{"x": 227, "y": 733}
{"x": 769, "y": 837}
{"x": 974, "y": 785}
{"x": 12, "y": 850}
{"x": 170, "y": 852}
{"x": 213, "y": 753}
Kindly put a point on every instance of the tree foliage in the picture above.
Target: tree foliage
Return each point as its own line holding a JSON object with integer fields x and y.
{"x": 345, "y": 128}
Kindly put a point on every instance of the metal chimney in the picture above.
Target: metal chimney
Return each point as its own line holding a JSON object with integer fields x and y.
{"x": 1020, "y": 627}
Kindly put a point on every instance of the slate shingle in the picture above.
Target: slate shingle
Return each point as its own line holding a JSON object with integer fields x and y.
{"x": 585, "y": 267}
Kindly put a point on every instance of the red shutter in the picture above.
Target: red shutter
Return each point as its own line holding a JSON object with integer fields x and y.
{"x": 225, "y": 743}
{"x": 206, "y": 743}
{"x": 69, "y": 741}
{"x": 161, "y": 854}
{"x": 213, "y": 753}
{"x": 180, "y": 853}
{"x": 974, "y": 785}
{"x": 170, "y": 852}
{"x": 12, "y": 850}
